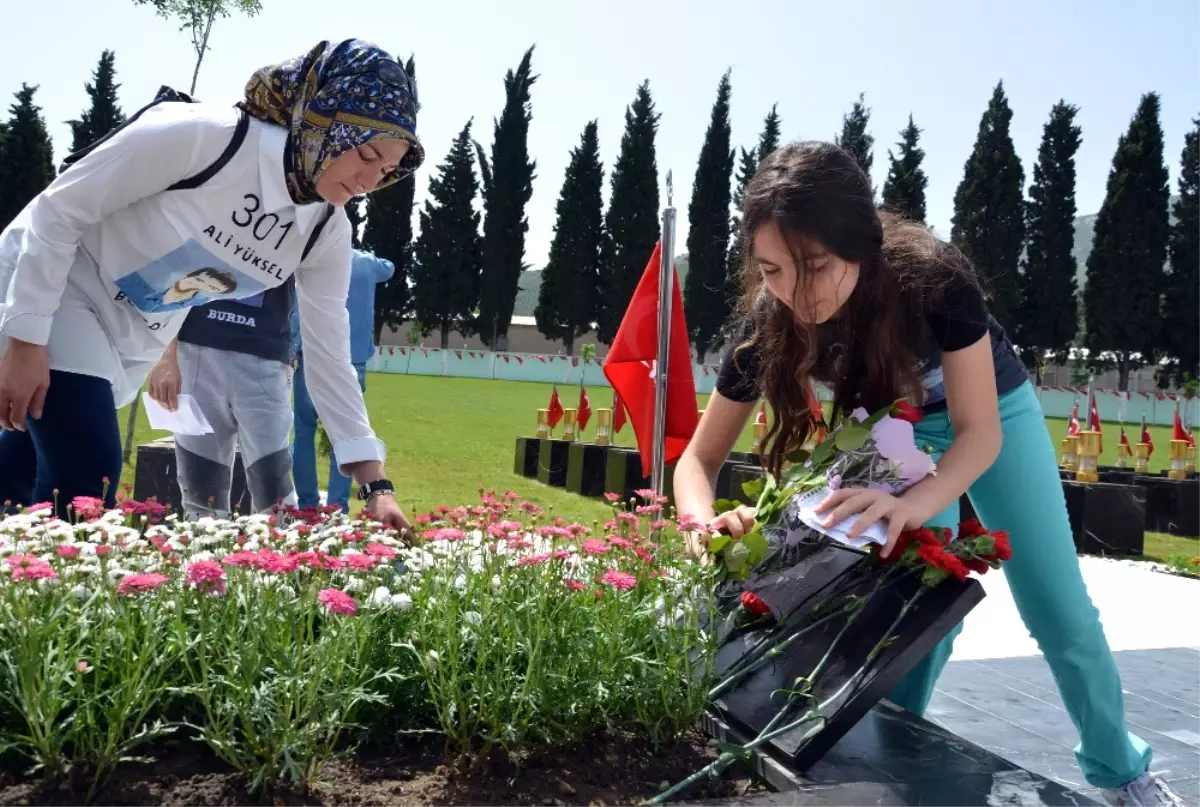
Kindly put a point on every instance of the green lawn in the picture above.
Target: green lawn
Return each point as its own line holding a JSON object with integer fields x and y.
{"x": 446, "y": 436}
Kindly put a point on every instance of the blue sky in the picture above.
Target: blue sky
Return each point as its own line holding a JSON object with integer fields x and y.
{"x": 937, "y": 60}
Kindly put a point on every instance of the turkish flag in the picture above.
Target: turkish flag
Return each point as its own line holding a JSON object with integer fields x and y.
{"x": 556, "y": 408}
{"x": 1180, "y": 433}
{"x": 585, "y": 408}
{"x": 1125, "y": 440}
{"x": 762, "y": 415}
{"x": 1094, "y": 420}
{"x": 632, "y": 364}
{"x": 618, "y": 413}
{"x": 1146, "y": 435}
{"x": 1073, "y": 423}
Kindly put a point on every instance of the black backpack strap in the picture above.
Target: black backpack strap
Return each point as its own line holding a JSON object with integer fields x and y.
{"x": 164, "y": 94}
{"x": 316, "y": 233}
{"x": 235, "y": 143}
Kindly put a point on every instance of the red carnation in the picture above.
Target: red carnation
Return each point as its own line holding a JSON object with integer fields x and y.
{"x": 754, "y": 604}
{"x": 971, "y": 528}
{"x": 907, "y": 412}
{"x": 939, "y": 558}
{"x": 1003, "y": 548}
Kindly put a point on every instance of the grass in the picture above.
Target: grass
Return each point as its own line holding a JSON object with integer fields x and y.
{"x": 447, "y": 436}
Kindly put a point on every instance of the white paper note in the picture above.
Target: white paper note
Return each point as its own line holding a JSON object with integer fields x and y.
{"x": 876, "y": 533}
{"x": 186, "y": 419}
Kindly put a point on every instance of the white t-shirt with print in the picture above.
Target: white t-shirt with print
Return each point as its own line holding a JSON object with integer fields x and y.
{"x": 103, "y": 266}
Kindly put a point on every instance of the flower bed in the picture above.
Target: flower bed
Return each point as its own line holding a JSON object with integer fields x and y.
{"x": 276, "y": 642}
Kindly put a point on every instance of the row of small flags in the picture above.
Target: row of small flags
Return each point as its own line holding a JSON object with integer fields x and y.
{"x": 520, "y": 358}
{"x": 1179, "y": 431}
{"x": 1157, "y": 394}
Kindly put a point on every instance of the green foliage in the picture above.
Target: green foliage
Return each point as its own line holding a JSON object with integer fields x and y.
{"x": 704, "y": 298}
{"x": 989, "y": 209}
{"x": 1049, "y": 315}
{"x": 26, "y": 156}
{"x": 631, "y": 224}
{"x": 904, "y": 188}
{"x": 448, "y": 252}
{"x": 854, "y": 137}
{"x": 768, "y": 142}
{"x": 1181, "y": 315}
{"x": 197, "y": 18}
{"x": 567, "y": 299}
{"x": 104, "y": 114}
{"x": 1121, "y": 300}
{"x": 507, "y": 187}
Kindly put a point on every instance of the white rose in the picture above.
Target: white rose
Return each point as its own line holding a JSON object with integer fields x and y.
{"x": 401, "y": 602}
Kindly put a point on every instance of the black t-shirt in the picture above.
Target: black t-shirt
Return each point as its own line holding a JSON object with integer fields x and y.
{"x": 258, "y": 325}
{"x": 953, "y": 318}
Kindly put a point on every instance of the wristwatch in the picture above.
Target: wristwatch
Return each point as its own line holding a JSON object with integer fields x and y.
{"x": 365, "y": 492}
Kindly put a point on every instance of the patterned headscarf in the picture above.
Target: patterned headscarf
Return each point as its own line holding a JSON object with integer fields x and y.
{"x": 333, "y": 100}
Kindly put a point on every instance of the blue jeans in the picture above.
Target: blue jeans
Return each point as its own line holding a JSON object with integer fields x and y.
{"x": 69, "y": 450}
{"x": 1022, "y": 493}
{"x": 304, "y": 455}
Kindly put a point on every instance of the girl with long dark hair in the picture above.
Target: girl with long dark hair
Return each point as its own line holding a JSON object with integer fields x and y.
{"x": 878, "y": 309}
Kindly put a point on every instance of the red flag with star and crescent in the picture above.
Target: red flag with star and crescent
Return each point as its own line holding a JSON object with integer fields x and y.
{"x": 556, "y": 408}
{"x": 585, "y": 408}
{"x": 632, "y": 364}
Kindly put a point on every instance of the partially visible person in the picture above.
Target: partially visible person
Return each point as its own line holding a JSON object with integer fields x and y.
{"x": 234, "y": 358}
{"x": 366, "y": 271}
{"x": 186, "y": 189}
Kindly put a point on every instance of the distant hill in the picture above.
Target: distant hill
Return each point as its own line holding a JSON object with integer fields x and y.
{"x": 531, "y": 285}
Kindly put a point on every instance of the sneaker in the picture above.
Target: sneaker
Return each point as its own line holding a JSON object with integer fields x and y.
{"x": 1147, "y": 789}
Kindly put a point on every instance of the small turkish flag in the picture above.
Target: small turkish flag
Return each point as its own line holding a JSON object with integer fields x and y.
{"x": 1179, "y": 432}
{"x": 618, "y": 413}
{"x": 632, "y": 367}
{"x": 585, "y": 408}
{"x": 1125, "y": 440}
{"x": 762, "y": 415}
{"x": 1094, "y": 420}
{"x": 556, "y": 408}
{"x": 1073, "y": 423}
{"x": 1146, "y": 436}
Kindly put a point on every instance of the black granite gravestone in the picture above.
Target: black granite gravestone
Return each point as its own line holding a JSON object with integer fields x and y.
{"x": 623, "y": 474}
{"x": 722, "y": 489}
{"x": 744, "y": 458}
{"x": 1074, "y": 493}
{"x": 1172, "y": 505}
{"x": 585, "y": 468}
{"x": 552, "y": 462}
{"x": 1117, "y": 476}
{"x": 893, "y": 757}
{"x": 739, "y": 475}
{"x": 1113, "y": 520}
{"x": 828, "y": 575}
{"x": 156, "y": 477}
{"x": 525, "y": 459}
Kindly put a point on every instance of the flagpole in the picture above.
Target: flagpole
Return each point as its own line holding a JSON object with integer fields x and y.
{"x": 666, "y": 274}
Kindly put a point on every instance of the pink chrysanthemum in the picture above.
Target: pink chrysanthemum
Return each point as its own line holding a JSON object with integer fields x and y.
{"x": 621, "y": 581}
{"x": 360, "y": 562}
{"x": 243, "y": 559}
{"x": 554, "y": 532}
{"x": 443, "y": 534}
{"x": 619, "y": 542}
{"x": 67, "y": 551}
{"x": 31, "y": 567}
{"x": 88, "y": 507}
{"x": 594, "y": 546}
{"x": 561, "y": 554}
{"x": 533, "y": 560}
{"x": 337, "y": 601}
{"x": 140, "y": 584}
{"x": 206, "y": 576}
{"x": 612, "y": 498}
{"x": 380, "y": 551}
{"x": 574, "y": 585}
{"x": 519, "y": 543}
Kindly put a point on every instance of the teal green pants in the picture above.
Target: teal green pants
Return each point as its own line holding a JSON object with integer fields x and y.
{"x": 1022, "y": 493}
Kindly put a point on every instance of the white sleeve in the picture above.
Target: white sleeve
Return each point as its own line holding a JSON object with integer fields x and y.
{"x": 166, "y": 144}
{"x": 322, "y": 283}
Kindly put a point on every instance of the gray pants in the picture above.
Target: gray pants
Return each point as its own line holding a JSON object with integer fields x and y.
{"x": 246, "y": 399}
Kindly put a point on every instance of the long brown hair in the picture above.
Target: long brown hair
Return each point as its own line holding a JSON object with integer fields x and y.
{"x": 817, "y": 191}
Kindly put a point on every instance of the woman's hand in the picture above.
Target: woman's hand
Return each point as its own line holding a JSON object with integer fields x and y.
{"x": 735, "y": 523}
{"x": 384, "y": 509}
{"x": 24, "y": 380}
{"x": 166, "y": 381}
{"x": 875, "y": 505}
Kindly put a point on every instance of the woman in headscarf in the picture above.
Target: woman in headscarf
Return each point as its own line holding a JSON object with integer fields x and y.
{"x": 83, "y": 266}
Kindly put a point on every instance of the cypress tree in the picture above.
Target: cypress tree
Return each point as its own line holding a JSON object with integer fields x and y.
{"x": 1049, "y": 316}
{"x": 566, "y": 306}
{"x": 104, "y": 114}
{"x": 449, "y": 250}
{"x": 1181, "y": 315}
{"x": 1121, "y": 301}
{"x": 748, "y": 163}
{"x": 27, "y": 159}
{"x": 631, "y": 224}
{"x": 704, "y": 301}
{"x": 904, "y": 188}
{"x": 507, "y": 188}
{"x": 854, "y": 137}
{"x": 989, "y": 210}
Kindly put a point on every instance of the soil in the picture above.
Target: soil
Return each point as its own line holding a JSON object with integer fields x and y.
{"x": 605, "y": 771}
